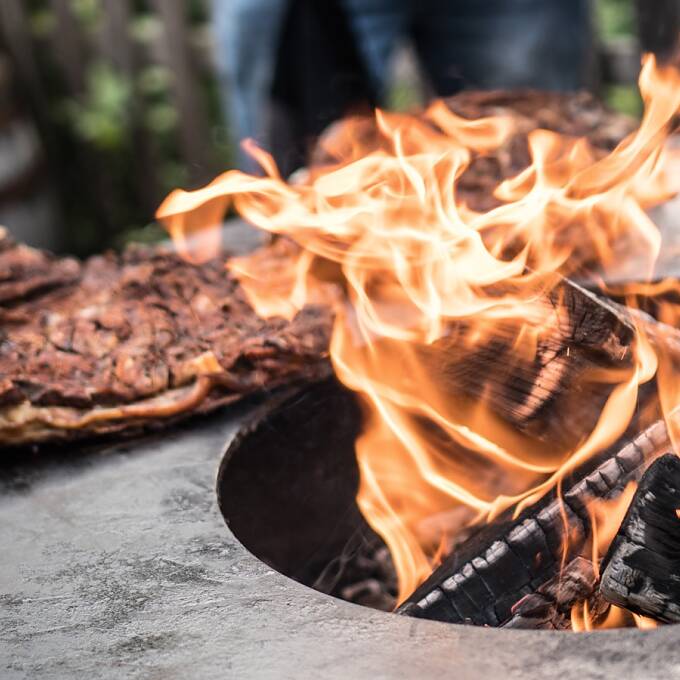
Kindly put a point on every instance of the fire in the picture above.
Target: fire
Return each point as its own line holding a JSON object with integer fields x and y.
{"x": 583, "y": 619}
{"x": 420, "y": 281}
{"x": 605, "y": 517}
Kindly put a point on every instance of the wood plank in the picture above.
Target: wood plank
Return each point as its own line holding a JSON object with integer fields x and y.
{"x": 177, "y": 56}
{"x": 115, "y": 42}
{"x": 67, "y": 44}
{"x": 117, "y": 46}
{"x": 16, "y": 34}
{"x": 483, "y": 580}
{"x": 641, "y": 570}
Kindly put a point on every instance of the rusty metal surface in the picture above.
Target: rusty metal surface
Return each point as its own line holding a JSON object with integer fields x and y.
{"x": 117, "y": 563}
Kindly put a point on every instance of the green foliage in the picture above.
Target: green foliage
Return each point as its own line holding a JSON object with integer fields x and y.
{"x": 145, "y": 28}
{"x": 101, "y": 117}
{"x": 114, "y": 142}
{"x": 616, "y": 18}
{"x": 161, "y": 118}
{"x": 153, "y": 86}
{"x": 624, "y": 98}
{"x": 154, "y": 80}
{"x": 42, "y": 22}
{"x": 149, "y": 234}
{"x": 87, "y": 12}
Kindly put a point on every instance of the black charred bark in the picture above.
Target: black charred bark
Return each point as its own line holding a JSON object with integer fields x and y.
{"x": 482, "y": 581}
{"x": 641, "y": 570}
{"x": 548, "y": 395}
{"x": 550, "y": 606}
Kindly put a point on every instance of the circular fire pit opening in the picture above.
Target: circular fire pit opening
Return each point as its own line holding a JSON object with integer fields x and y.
{"x": 287, "y": 490}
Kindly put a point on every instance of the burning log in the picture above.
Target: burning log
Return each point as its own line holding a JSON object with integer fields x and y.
{"x": 641, "y": 570}
{"x": 551, "y": 605}
{"x": 482, "y": 581}
{"x": 549, "y": 396}
{"x": 544, "y": 395}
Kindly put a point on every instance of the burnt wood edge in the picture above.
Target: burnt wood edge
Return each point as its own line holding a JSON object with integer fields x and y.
{"x": 549, "y": 608}
{"x": 641, "y": 570}
{"x": 482, "y": 581}
{"x": 661, "y": 335}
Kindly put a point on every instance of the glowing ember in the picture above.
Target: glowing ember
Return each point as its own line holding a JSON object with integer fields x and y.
{"x": 412, "y": 272}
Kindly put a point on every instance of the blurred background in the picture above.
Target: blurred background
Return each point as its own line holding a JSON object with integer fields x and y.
{"x": 107, "y": 105}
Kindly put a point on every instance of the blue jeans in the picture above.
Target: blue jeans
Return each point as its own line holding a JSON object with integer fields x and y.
{"x": 247, "y": 33}
{"x": 482, "y": 44}
{"x": 460, "y": 43}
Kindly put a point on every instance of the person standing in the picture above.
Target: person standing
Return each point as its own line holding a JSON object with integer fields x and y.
{"x": 288, "y": 68}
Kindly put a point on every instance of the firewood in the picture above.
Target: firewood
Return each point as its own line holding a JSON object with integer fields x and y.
{"x": 550, "y": 606}
{"x": 641, "y": 570}
{"x": 548, "y": 396}
{"x": 482, "y": 580}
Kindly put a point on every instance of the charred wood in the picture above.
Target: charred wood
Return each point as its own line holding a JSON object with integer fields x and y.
{"x": 551, "y": 396}
{"x": 483, "y": 580}
{"x": 548, "y": 395}
{"x": 550, "y": 606}
{"x": 641, "y": 570}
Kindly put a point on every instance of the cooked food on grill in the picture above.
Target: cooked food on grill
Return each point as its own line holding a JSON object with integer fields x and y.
{"x": 119, "y": 342}
{"x": 122, "y": 342}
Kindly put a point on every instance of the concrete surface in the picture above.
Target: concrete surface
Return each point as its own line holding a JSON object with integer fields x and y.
{"x": 116, "y": 563}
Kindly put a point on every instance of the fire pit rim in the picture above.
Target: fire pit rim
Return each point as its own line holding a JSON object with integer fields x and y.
{"x": 260, "y": 416}
{"x": 142, "y": 518}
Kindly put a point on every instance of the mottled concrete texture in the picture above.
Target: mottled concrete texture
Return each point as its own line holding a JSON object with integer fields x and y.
{"x": 117, "y": 563}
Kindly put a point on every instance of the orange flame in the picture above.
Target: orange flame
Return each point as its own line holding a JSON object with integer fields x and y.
{"x": 419, "y": 281}
{"x": 606, "y": 517}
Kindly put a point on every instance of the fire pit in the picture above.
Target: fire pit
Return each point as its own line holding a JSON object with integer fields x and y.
{"x": 121, "y": 564}
{"x": 512, "y": 393}
{"x": 288, "y": 491}
{"x": 493, "y": 450}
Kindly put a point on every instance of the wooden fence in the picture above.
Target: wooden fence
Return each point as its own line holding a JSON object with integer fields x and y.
{"x": 185, "y": 50}
{"x": 51, "y": 41}
{"x": 53, "y": 49}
